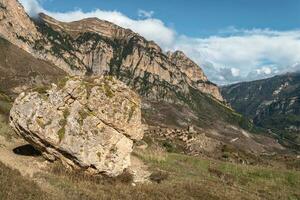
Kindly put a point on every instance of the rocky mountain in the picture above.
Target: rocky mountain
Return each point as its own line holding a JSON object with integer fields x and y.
{"x": 93, "y": 46}
{"x": 102, "y": 100}
{"x": 271, "y": 103}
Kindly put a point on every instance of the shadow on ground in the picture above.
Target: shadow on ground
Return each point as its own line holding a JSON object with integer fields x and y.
{"x": 26, "y": 150}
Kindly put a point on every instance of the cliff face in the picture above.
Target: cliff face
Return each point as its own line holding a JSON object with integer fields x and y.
{"x": 96, "y": 47}
{"x": 16, "y": 26}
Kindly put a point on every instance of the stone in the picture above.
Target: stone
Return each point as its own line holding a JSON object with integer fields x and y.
{"x": 86, "y": 123}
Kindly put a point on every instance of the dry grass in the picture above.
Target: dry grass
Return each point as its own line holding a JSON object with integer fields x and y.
{"x": 76, "y": 188}
{"x": 5, "y": 104}
{"x": 15, "y": 187}
{"x": 5, "y": 130}
{"x": 179, "y": 177}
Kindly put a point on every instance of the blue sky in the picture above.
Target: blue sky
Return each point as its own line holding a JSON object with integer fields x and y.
{"x": 199, "y": 17}
{"x": 232, "y": 40}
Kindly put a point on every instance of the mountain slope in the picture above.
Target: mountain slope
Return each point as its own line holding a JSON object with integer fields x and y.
{"x": 272, "y": 103}
{"x": 20, "y": 70}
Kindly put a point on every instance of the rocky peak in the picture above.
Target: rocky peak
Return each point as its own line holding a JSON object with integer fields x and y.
{"x": 101, "y": 27}
{"x": 95, "y": 25}
{"x": 187, "y": 66}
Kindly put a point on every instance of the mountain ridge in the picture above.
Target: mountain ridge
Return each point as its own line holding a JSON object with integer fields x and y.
{"x": 271, "y": 103}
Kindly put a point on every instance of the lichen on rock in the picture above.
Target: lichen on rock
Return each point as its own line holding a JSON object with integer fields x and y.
{"x": 82, "y": 124}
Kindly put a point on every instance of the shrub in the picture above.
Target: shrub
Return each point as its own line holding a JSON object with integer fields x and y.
{"x": 159, "y": 176}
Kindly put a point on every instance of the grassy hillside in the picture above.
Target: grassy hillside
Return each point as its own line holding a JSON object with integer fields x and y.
{"x": 19, "y": 69}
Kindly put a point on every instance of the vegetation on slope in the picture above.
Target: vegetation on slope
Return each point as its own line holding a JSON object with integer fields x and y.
{"x": 271, "y": 103}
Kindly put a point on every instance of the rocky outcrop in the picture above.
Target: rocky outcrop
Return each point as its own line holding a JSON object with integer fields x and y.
{"x": 193, "y": 142}
{"x": 196, "y": 76}
{"x": 89, "y": 124}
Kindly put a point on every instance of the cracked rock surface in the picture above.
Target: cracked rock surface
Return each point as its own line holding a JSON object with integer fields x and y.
{"x": 86, "y": 123}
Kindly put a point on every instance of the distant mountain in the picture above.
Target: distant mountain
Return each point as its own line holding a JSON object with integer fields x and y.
{"x": 272, "y": 103}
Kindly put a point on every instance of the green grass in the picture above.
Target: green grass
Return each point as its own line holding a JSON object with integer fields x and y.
{"x": 241, "y": 181}
{"x": 175, "y": 176}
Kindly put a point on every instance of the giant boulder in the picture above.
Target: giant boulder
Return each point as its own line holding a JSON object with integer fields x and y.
{"x": 86, "y": 123}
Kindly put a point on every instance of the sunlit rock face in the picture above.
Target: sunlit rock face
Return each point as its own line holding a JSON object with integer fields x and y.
{"x": 89, "y": 124}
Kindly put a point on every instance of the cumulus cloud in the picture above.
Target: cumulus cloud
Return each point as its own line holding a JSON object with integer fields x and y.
{"x": 264, "y": 70}
{"x": 32, "y": 7}
{"x": 150, "y": 28}
{"x": 230, "y": 56}
{"x": 235, "y": 72}
{"x": 145, "y": 14}
{"x": 253, "y": 52}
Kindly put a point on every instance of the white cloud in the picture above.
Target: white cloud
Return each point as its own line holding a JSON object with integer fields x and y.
{"x": 150, "y": 28}
{"x": 230, "y": 56}
{"x": 248, "y": 50}
{"x": 264, "y": 70}
{"x": 32, "y": 7}
{"x": 235, "y": 72}
{"x": 145, "y": 14}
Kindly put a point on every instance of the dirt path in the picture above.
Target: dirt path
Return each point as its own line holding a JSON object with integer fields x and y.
{"x": 139, "y": 170}
{"x": 28, "y": 163}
